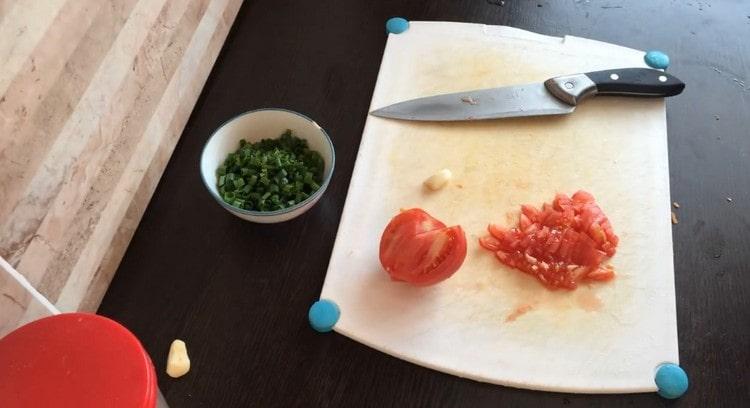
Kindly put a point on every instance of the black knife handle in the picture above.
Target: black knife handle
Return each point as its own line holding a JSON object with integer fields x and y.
{"x": 642, "y": 82}
{"x": 636, "y": 82}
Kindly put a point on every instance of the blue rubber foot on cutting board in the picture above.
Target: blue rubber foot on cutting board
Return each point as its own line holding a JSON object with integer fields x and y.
{"x": 323, "y": 315}
{"x": 656, "y": 59}
{"x": 396, "y": 25}
{"x": 671, "y": 381}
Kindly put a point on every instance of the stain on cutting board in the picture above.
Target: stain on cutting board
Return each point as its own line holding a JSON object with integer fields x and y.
{"x": 499, "y": 166}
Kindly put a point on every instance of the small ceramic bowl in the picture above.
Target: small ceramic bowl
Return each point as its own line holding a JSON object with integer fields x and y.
{"x": 265, "y": 124}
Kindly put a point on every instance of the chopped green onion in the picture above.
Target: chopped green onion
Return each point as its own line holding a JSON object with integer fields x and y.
{"x": 271, "y": 174}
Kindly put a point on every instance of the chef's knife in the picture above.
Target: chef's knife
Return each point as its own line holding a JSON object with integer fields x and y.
{"x": 559, "y": 95}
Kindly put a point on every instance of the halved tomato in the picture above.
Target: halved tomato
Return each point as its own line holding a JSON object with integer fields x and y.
{"x": 419, "y": 249}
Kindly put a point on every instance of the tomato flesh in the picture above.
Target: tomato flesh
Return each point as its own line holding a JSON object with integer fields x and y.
{"x": 562, "y": 244}
{"x": 419, "y": 249}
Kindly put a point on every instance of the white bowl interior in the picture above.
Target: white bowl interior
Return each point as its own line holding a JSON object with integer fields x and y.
{"x": 262, "y": 124}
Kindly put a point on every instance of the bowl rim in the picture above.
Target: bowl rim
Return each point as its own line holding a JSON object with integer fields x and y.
{"x": 313, "y": 196}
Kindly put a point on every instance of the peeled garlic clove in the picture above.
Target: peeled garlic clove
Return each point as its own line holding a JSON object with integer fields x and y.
{"x": 438, "y": 180}
{"x": 178, "y": 363}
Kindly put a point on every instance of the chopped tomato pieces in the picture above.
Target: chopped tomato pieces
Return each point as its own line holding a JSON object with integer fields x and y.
{"x": 561, "y": 245}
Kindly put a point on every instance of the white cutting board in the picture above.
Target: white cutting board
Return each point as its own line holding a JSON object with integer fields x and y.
{"x": 606, "y": 338}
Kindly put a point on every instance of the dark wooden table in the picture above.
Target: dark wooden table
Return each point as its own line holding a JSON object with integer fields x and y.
{"x": 238, "y": 293}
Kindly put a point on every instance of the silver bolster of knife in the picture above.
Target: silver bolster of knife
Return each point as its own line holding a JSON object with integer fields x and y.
{"x": 571, "y": 89}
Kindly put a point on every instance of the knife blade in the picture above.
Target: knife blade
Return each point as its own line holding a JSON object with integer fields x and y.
{"x": 555, "y": 96}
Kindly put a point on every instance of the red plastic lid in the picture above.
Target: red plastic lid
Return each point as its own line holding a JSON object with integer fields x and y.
{"x": 75, "y": 360}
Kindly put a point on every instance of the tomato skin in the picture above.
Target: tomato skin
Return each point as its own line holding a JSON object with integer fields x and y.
{"x": 419, "y": 249}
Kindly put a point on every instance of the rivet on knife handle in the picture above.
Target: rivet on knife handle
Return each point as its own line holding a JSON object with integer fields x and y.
{"x": 642, "y": 82}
